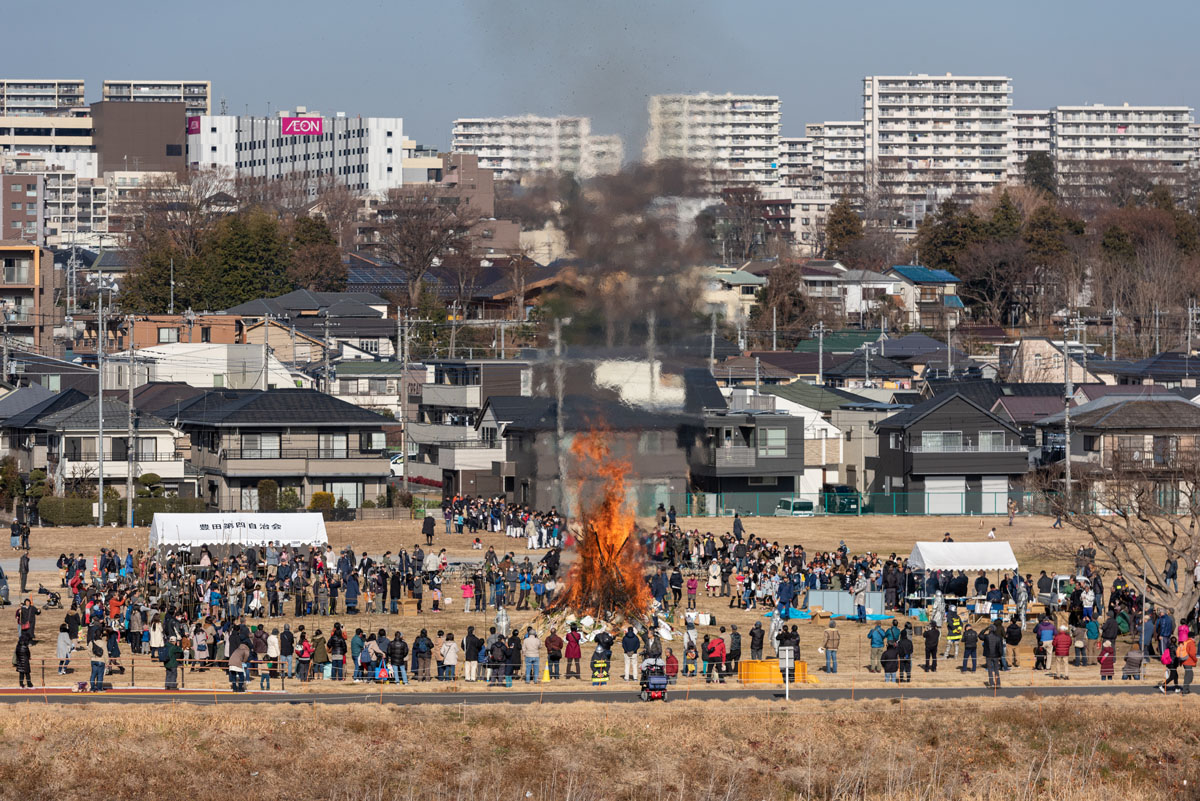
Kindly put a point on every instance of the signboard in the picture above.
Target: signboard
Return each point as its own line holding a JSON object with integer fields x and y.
{"x": 236, "y": 528}
{"x": 303, "y": 126}
{"x": 193, "y": 125}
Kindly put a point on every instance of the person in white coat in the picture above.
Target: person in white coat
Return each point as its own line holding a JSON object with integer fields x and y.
{"x": 449, "y": 653}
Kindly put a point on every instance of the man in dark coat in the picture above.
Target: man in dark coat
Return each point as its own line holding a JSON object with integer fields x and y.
{"x": 427, "y": 528}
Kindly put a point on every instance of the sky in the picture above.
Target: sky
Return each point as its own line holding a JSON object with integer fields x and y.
{"x": 434, "y": 61}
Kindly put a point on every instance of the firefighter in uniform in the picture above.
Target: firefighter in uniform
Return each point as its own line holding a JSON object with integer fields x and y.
{"x": 954, "y": 633}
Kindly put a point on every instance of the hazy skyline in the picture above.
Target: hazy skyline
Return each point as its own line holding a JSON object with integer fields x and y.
{"x": 432, "y": 63}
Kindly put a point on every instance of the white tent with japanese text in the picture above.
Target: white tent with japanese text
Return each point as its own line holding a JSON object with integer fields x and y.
{"x": 168, "y": 530}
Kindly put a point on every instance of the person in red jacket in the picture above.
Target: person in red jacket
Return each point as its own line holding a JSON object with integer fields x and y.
{"x": 716, "y": 659}
{"x": 672, "y": 666}
{"x": 573, "y": 653}
{"x": 1107, "y": 660}
{"x": 1061, "y": 647}
{"x": 1187, "y": 655}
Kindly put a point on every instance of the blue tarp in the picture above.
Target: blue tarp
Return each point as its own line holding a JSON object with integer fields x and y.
{"x": 793, "y": 614}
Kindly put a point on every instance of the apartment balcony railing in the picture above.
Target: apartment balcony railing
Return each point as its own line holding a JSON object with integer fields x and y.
{"x": 1152, "y": 459}
{"x": 299, "y": 453}
{"x": 732, "y": 456}
{"x": 966, "y": 447}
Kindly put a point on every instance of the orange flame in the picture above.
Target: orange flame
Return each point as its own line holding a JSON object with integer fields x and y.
{"x": 609, "y": 575}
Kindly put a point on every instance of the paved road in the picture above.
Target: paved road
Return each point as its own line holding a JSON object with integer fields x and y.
{"x": 562, "y": 697}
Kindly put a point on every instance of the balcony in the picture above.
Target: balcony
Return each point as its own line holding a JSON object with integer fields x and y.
{"x": 167, "y": 465}
{"x": 461, "y": 397}
{"x": 969, "y": 459}
{"x": 731, "y": 456}
{"x": 267, "y": 462}
{"x": 1154, "y": 459}
{"x": 469, "y": 455}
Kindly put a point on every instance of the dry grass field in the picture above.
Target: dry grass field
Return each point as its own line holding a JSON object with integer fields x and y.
{"x": 844, "y": 751}
{"x": 1030, "y": 537}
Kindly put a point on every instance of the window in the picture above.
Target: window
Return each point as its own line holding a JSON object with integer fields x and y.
{"x": 331, "y": 446}
{"x": 174, "y": 150}
{"x": 772, "y": 442}
{"x": 16, "y": 271}
{"x": 377, "y": 386}
{"x": 991, "y": 441}
{"x": 372, "y": 441}
{"x": 351, "y": 491}
{"x": 249, "y": 498}
{"x": 650, "y": 442}
{"x": 1091, "y": 443}
{"x": 260, "y": 446}
{"x": 762, "y": 481}
{"x": 894, "y": 441}
{"x": 205, "y": 334}
{"x": 941, "y": 441}
{"x": 348, "y": 386}
{"x": 168, "y": 335}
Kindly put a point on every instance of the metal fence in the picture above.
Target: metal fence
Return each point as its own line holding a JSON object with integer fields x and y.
{"x": 802, "y": 504}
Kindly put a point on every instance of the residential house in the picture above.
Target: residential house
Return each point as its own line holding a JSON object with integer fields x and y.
{"x": 949, "y": 455}
{"x": 377, "y": 386}
{"x": 355, "y": 318}
{"x": 822, "y": 439}
{"x": 749, "y": 459}
{"x": 658, "y": 444}
{"x": 805, "y": 366}
{"x": 287, "y": 344}
{"x": 860, "y": 443}
{"x": 21, "y": 438}
{"x": 748, "y": 371}
{"x": 1039, "y": 360}
{"x": 1126, "y": 440}
{"x": 304, "y": 440}
{"x": 144, "y": 331}
{"x": 853, "y": 295}
{"x": 823, "y": 399}
{"x": 730, "y": 293}
{"x": 1024, "y": 412}
{"x": 863, "y": 370}
{"x": 842, "y": 342}
{"x": 209, "y": 366}
{"x": 74, "y": 461}
{"x": 1171, "y": 369}
{"x": 929, "y": 297}
{"x": 446, "y": 431}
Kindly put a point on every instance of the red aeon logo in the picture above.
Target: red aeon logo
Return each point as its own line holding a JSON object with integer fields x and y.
{"x": 303, "y": 126}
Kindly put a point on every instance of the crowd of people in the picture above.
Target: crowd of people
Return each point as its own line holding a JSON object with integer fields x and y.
{"x": 207, "y": 611}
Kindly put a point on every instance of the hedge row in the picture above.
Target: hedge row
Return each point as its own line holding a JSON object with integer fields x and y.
{"x": 78, "y": 511}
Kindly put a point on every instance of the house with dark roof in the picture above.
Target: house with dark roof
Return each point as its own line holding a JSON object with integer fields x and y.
{"x": 21, "y": 437}
{"x": 1153, "y": 439}
{"x": 657, "y": 444}
{"x": 1039, "y": 359}
{"x": 948, "y": 455}
{"x": 843, "y": 342}
{"x": 928, "y": 297}
{"x": 863, "y": 369}
{"x": 304, "y": 440}
{"x": 747, "y": 371}
{"x": 1024, "y": 411}
{"x": 73, "y": 460}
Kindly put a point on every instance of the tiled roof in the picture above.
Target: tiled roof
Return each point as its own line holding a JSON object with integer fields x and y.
{"x": 23, "y": 398}
{"x": 880, "y": 367}
{"x": 277, "y": 407}
{"x": 823, "y": 399}
{"x": 86, "y": 416}
{"x": 1115, "y": 412}
{"x": 581, "y": 413}
{"x": 843, "y": 341}
{"x": 914, "y": 414}
{"x": 923, "y": 275}
{"x": 1027, "y": 409}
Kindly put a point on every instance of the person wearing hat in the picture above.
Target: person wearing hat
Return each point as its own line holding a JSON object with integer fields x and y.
{"x": 1060, "y": 648}
{"x": 1107, "y": 659}
{"x": 573, "y": 652}
{"x": 171, "y": 663}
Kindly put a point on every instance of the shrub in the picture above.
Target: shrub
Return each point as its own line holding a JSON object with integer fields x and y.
{"x": 342, "y": 503}
{"x": 268, "y": 495}
{"x": 66, "y": 511}
{"x": 149, "y": 479}
{"x": 368, "y": 504}
{"x": 144, "y": 509}
{"x": 289, "y": 500}
{"x": 321, "y": 502}
{"x": 404, "y": 499}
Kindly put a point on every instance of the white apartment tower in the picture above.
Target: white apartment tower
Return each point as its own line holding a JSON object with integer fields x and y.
{"x": 364, "y": 154}
{"x": 516, "y": 146}
{"x": 795, "y": 162}
{"x": 1031, "y": 133}
{"x": 196, "y": 94}
{"x": 838, "y": 156}
{"x": 934, "y": 136}
{"x": 736, "y": 137}
{"x": 25, "y": 98}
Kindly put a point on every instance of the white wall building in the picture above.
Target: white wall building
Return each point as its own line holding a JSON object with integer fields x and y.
{"x": 1031, "y": 133}
{"x": 205, "y": 365}
{"x": 734, "y": 136}
{"x": 838, "y": 156}
{"x": 795, "y": 162}
{"x": 365, "y": 154}
{"x": 947, "y": 132}
{"x": 513, "y": 146}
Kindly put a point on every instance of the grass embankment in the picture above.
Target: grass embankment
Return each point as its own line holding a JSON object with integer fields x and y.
{"x": 1064, "y": 750}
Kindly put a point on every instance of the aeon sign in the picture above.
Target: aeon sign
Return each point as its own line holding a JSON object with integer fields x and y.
{"x": 303, "y": 126}
{"x": 193, "y": 125}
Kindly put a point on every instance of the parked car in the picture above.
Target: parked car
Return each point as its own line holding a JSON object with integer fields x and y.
{"x": 397, "y": 464}
{"x": 840, "y": 499}
{"x": 794, "y": 507}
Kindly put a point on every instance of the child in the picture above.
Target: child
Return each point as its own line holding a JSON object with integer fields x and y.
{"x": 1039, "y": 653}
{"x": 692, "y": 584}
{"x": 468, "y": 593}
{"x": 477, "y": 545}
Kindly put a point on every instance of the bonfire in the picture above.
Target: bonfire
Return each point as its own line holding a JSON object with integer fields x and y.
{"x": 607, "y": 580}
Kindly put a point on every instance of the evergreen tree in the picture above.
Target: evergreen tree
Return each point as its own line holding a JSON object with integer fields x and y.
{"x": 1039, "y": 172}
{"x": 843, "y": 229}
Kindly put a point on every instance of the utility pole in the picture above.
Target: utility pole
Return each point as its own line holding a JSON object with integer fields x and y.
{"x": 503, "y": 328}
{"x": 712, "y": 346}
{"x": 1157, "y": 349}
{"x": 265, "y": 350}
{"x": 100, "y": 343}
{"x": 402, "y": 326}
{"x": 559, "y": 428}
{"x": 4, "y": 311}
{"x": 131, "y": 442}
{"x": 866, "y": 365}
{"x": 818, "y": 331}
{"x": 1112, "y": 328}
{"x": 328, "y": 381}
{"x": 949, "y": 349}
{"x": 774, "y": 328}
{"x": 1071, "y": 327}
{"x": 453, "y": 327}
{"x": 651, "y": 352}
{"x": 171, "y": 305}
{"x": 757, "y": 378}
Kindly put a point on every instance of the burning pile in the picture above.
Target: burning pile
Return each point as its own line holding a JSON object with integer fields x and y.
{"x": 608, "y": 578}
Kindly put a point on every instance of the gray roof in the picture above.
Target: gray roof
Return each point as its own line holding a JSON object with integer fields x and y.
{"x": 86, "y": 416}
{"x": 1121, "y": 412}
{"x": 21, "y": 399}
{"x": 913, "y": 414}
{"x": 275, "y": 408}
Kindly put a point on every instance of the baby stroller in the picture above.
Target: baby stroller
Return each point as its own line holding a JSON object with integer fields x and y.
{"x": 54, "y": 601}
{"x": 654, "y": 680}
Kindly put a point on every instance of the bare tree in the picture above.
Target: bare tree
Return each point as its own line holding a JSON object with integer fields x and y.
{"x": 176, "y": 211}
{"x": 418, "y": 228}
{"x": 339, "y": 206}
{"x": 1136, "y": 523}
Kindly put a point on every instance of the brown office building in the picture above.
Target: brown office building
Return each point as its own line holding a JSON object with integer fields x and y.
{"x": 27, "y": 289}
{"x": 140, "y": 136}
{"x": 22, "y": 207}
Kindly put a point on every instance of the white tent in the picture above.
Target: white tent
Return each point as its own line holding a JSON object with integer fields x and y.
{"x": 237, "y": 528}
{"x": 962, "y": 556}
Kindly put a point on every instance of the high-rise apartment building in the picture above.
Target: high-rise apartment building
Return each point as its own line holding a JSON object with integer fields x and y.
{"x": 1031, "y": 133}
{"x": 28, "y": 285}
{"x": 936, "y": 135}
{"x": 513, "y": 146}
{"x": 795, "y": 162}
{"x": 364, "y": 154}
{"x": 195, "y": 95}
{"x": 25, "y": 98}
{"x": 734, "y": 138}
{"x": 838, "y": 157}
